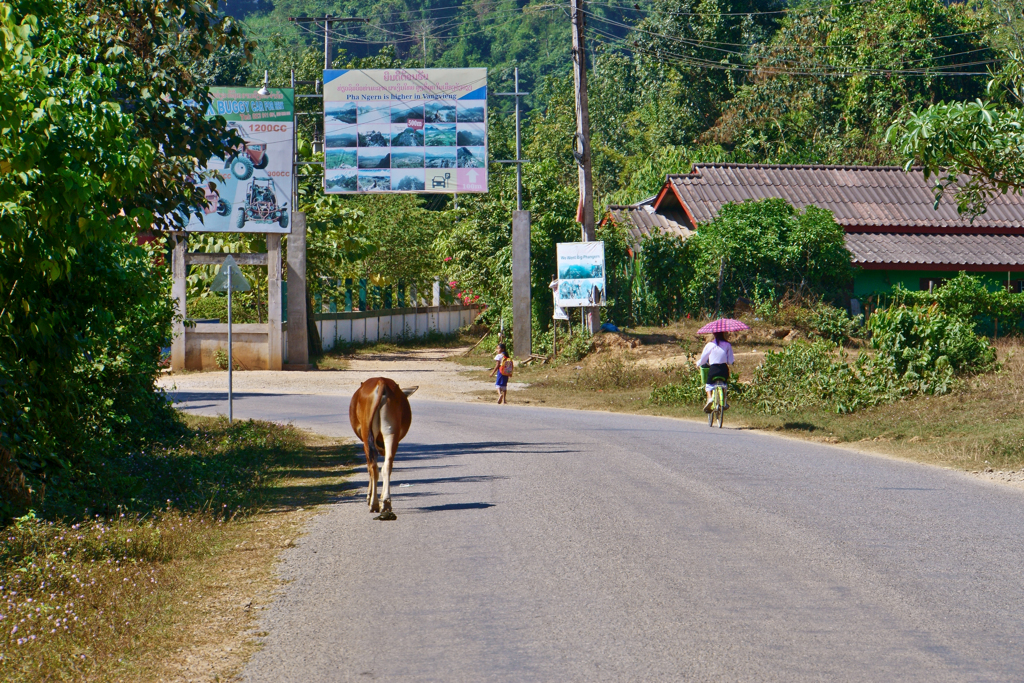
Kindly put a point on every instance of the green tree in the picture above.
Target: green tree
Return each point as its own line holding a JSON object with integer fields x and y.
{"x": 830, "y": 81}
{"x": 975, "y": 150}
{"x": 103, "y": 119}
{"x": 766, "y": 245}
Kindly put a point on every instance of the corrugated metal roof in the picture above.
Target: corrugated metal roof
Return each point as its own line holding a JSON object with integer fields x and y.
{"x": 641, "y": 220}
{"x": 870, "y": 248}
{"x": 858, "y": 196}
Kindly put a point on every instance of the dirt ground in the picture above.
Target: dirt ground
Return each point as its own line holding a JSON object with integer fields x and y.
{"x": 432, "y": 370}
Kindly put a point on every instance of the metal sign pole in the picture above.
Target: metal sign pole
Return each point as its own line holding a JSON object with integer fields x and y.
{"x": 231, "y": 404}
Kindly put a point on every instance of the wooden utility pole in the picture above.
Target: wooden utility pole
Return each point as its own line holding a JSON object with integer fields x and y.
{"x": 585, "y": 209}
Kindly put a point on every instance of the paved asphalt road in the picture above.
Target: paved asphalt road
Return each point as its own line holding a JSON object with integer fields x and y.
{"x": 550, "y": 545}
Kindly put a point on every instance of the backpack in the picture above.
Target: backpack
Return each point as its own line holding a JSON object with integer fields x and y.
{"x": 507, "y": 366}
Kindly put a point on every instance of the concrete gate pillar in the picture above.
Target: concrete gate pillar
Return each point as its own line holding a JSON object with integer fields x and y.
{"x": 178, "y": 291}
{"x": 298, "y": 344}
{"x": 275, "y": 351}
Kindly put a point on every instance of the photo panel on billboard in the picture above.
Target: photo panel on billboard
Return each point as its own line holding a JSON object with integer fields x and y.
{"x": 471, "y": 157}
{"x": 374, "y": 181}
{"x": 408, "y": 180}
{"x": 440, "y": 157}
{"x": 439, "y": 112}
{"x": 405, "y": 136}
{"x": 340, "y": 112}
{"x": 344, "y": 135}
{"x": 373, "y": 112}
{"x": 374, "y": 157}
{"x": 439, "y": 134}
{"x": 248, "y": 187}
{"x": 407, "y": 157}
{"x": 471, "y": 112}
{"x": 341, "y": 181}
{"x": 471, "y": 135}
{"x": 428, "y": 127}
{"x": 339, "y": 159}
{"x": 409, "y": 113}
{"x": 375, "y": 134}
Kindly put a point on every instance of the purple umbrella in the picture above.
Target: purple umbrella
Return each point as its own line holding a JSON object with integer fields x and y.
{"x": 723, "y": 325}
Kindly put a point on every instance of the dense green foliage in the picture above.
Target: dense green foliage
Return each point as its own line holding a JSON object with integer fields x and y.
{"x": 967, "y": 297}
{"x": 98, "y": 133}
{"x": 981, "y": 139}
{"x": 765, "y": 246}
{"x": 919, "y": 350}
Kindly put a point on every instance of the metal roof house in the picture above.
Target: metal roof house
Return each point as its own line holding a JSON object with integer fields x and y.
{"x": 893, "y": 229}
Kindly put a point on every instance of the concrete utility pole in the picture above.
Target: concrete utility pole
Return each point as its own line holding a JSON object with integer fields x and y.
{"x": 585, "y": 210}
{"x": 522, "y": 310}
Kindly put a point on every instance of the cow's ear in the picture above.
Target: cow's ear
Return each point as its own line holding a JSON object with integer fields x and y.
{"x": 410, "y": 391}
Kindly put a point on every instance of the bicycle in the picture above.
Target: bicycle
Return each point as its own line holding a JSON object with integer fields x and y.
{"x": 717, "y": 398}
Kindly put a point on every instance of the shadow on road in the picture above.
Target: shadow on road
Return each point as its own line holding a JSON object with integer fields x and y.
{"x": 454, "y": 506}
{"x": 414, "y": 451}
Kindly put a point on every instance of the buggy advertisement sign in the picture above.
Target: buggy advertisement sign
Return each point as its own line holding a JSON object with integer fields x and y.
{"x": 405, "y": 130}
{"x": 249, "y": 187}
{"x": 581, "y": 279}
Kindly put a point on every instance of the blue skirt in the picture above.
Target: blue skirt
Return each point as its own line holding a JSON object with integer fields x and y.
{"x": 502, "y": 381}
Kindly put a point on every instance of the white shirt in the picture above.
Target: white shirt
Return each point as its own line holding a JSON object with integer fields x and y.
{"x": 715, "y": 354}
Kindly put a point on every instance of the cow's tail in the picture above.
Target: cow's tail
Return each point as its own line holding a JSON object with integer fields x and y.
{"x": 379, "y": 394}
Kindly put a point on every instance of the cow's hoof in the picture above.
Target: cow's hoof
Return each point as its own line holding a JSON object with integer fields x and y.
{"x": 375, "y": 508}
{"x": 387, "y": 516}
{"x": 387, "y": 505}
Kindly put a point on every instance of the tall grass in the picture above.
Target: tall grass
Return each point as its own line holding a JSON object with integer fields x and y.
{"x": 77, "y": 595}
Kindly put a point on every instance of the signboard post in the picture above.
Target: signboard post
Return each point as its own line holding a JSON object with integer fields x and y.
{"x": 249, "y": 187}
{"x": 581, "y": 274}
{"x": 229, "y": 278}
{"x": 405, "y": 130}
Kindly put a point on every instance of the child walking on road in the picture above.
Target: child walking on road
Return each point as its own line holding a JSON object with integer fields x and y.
{"x": 503, "y": 367}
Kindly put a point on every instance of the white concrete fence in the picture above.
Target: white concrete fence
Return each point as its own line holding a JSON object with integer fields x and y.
{"x": 250, "y": 343}
{"x": 366, "y": 327}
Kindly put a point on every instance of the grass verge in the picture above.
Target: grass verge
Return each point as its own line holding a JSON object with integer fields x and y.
{"x": 170, "y": 594}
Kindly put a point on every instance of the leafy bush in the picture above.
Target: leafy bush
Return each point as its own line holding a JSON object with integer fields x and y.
{"x": 758, "y": 247}
{"x": 690, "y": 389}
{"x": 575, "y": 348}
{"x": 832, "y": 324}
{"x": 658, "y": 272}
{"x": 803, "y": 375}
{"x": 966, "y": 297}
{"x": 922, "y": 340}
{"x": 919, "y": 351}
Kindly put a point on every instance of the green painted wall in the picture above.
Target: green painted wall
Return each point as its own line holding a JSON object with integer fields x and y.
{"x": 870, "y": 281}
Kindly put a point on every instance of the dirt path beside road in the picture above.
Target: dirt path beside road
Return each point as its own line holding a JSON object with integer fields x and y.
{"x": 432, "y": 370}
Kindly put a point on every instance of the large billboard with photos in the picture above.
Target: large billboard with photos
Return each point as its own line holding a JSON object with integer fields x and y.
{"x": 249, "y": 187}
{"x": 405, "y": 130}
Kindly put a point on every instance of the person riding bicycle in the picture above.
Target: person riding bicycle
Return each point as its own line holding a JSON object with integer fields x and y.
{"x": 717, "y": 357}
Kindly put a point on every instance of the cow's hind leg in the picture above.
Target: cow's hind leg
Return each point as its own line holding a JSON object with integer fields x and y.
{"x": 389, "y": 430}
{"x": 390, "y": 445}
{"x": 372, "y": 473}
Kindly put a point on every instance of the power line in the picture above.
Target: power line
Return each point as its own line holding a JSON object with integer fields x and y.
{"x": 826, "y": 71}
{"x": 709, "y": 44}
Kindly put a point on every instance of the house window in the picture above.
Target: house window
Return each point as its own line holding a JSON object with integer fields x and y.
{"x": 929, "y": 284}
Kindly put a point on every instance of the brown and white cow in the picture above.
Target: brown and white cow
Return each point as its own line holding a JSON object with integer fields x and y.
{"x": 380, "y": 415}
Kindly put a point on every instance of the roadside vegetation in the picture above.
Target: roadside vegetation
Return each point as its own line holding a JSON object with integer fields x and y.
{"x": 166, "y": 576}
{"x": 916, "y": 380}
